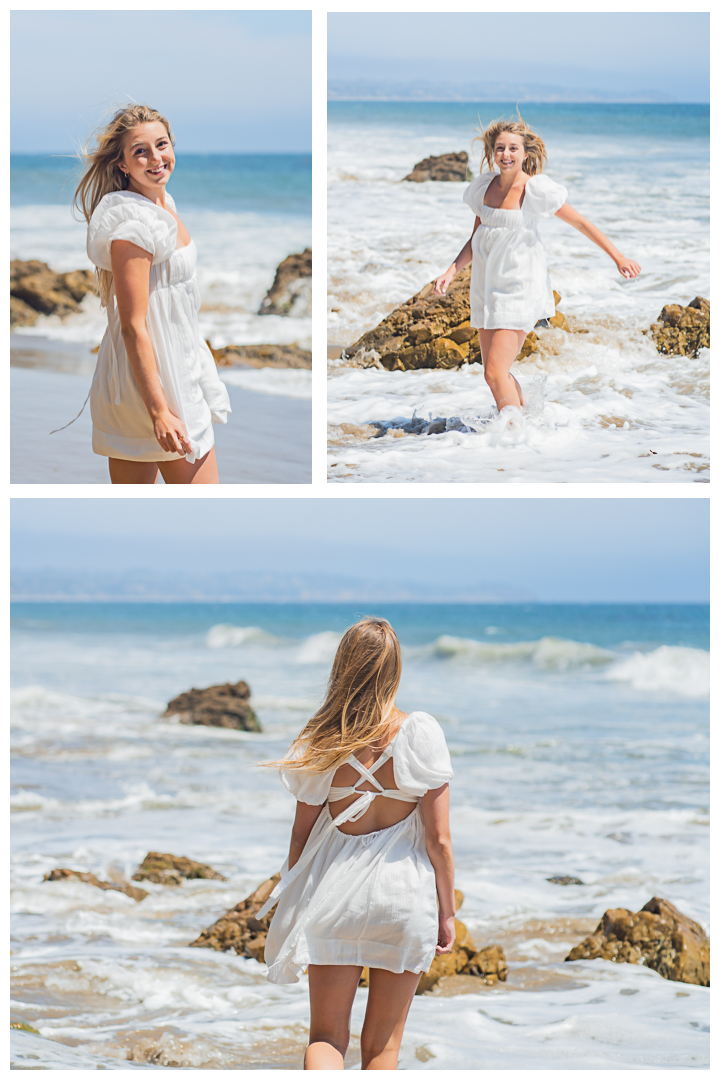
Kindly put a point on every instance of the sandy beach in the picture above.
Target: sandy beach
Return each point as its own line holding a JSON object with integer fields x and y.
{"x": 266, "y": 439}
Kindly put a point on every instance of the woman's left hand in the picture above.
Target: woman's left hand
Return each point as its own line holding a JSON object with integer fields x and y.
{"x": 627, "y": 267}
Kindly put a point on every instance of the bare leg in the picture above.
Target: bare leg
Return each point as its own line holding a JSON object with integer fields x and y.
{"x": 332, "y": 992}
{"x": 132, "y": 472}
{"x": 180, "y": 471}
{"x": 499, "y": 349}
{"x": 389, "y": 1001}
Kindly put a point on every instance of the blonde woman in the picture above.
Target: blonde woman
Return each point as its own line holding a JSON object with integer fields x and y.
{"x": 509, "y": 285}
{"x": 156, "y": 394}
{"x": 369, "y": 878}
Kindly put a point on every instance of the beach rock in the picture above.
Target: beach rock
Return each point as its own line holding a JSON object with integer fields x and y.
{"x": 430, "y": 331}
{"x": 36, "y": 290}
{"x": 165, "y": 869}
{"x": 260, "y": 356}
{"x": 565, "y": 879}
{"x": 442, "y": 167}
{"x": 225, "y": 706}
{"x": 682, "y": 331}
{"x": 658, "y": 936}
{"x": 291, "y": 291}
{"x": 238, "y": 929}
{"x": 90, "y": 879}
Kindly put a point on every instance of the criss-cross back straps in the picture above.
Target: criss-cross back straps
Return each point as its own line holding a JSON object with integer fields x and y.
{"x": 357, "y": 808}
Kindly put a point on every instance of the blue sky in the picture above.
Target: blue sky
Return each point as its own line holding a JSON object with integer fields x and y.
{"x": 233, "y": 81}
{"x": 551, "y": 549}
{"x": 666, "y": 53}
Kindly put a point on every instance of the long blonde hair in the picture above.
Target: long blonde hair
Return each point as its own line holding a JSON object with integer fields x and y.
{"x": 534, "y": 146}
{"x": 102, "y": 173}
{"x": 359, "y": 704}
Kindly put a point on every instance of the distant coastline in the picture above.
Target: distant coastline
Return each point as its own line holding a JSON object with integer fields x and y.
{"x": 437, "y": 91}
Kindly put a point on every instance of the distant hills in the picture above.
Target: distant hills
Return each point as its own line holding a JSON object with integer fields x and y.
{"x": 244, "y": 586}
{"x": 440, "y": 90}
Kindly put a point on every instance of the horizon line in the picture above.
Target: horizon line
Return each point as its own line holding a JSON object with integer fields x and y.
{"x": 59, "y": 599}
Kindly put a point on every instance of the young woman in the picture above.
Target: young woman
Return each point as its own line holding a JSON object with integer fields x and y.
{"x": 156, "y": 394}
{"x": 509, "y": 285}
{"x": 369, "y": 878}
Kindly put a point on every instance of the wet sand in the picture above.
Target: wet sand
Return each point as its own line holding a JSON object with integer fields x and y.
{"x": 266, "y": 440}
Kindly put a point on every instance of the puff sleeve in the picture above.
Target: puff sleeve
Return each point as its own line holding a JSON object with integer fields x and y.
{"x": 124, "y": 216}
{"x": 474, "y": 193}
{"x": 543, "y": 196}
{"x": 421, "y": 760}
{"x": 308, "y": 787}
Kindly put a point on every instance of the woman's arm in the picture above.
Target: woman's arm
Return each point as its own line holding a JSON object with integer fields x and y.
{"x": 305, "y": 817}
{"x": 435, "y": 810}
{"x": 131, "y": 277}
{"x": 462, "y": 259}
{"x": 627, "y": 267}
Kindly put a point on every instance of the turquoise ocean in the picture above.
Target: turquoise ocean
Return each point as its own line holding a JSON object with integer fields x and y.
{"x": 579, "y": 740}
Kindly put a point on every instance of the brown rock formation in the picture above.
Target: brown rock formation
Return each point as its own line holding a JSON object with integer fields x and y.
{"x": 36, "y": 290}
{"x": 658, "y": 936}
{"x": 430, "y": 331}
{"x": 90, "y": 879}
{"x": 291, "y": 291}
{"x": 682, "y": 331}
{"x": 238, "y": 928}
{"x": 164, "y": 869}
{"x": 442, "y": 167}
{"x": 260, "y": 356}
{"x": 224, "y": 706}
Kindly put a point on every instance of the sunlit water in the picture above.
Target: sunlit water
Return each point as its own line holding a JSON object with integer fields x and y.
{"x": 604, "y": 406}
{"x": 578, "y": 735}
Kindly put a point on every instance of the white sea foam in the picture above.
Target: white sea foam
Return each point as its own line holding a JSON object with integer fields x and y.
{"x": 285, "y": 382}
{"x": 318, "y": 648}
{"x": 548, "y": 652}
{"x": 226, "y": 636}
{"x": 238, "y": 253}
{"x": 671, "y": 669}
{"x": 606, "y": 406}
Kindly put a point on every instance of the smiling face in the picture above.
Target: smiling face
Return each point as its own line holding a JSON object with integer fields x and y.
{"x": 148, "y": 158}
{"x": 509, "y": 152}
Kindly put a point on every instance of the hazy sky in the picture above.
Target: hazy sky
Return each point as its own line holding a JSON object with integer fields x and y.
{"x": 556, "y": 549}
{"x": 661, "y": 52}
{"x": 234, "y": 81}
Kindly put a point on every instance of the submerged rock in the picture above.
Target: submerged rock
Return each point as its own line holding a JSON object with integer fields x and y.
{"x": 90, "y": 879}
{"x": 430, "y": 331}
{"x": 658, "y": 936}
{"x": 225, "y": 706}
{"x": 238, "y": 929}
{"x": 37, "y": 290}
{"x": 564, "y": 879}
{"x": 260, "y": 356}
{"x": 682, "y": 331}
{"x": 442, "y": 167}
{"x": 291, "y": 291}
{"x": 165, "y": 869}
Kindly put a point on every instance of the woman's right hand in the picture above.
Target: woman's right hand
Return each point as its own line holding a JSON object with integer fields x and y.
{"x": 446, "y": 934}
{"x": 170, "y": 433}
{"x": 442, "y": 283}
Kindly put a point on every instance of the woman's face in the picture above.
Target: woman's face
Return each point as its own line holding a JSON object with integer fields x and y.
{"x": 148, "y": 158}
{"x": 509, "y": 152}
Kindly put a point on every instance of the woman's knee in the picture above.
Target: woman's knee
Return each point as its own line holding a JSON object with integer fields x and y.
{"x": 339, "y": 1040}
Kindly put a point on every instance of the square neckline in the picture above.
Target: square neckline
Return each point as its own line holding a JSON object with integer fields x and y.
{"x": 505, "y": 210}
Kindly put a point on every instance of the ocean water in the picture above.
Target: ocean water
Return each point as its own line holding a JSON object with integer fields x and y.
{"x": 578, "y": 736}
{"x": 604, "y": 406}
{"x": 246, "y": 213}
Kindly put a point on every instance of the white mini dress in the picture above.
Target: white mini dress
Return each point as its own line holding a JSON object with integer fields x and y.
{"x": 122, "y": 427}
{"x": 369, "y": 900}
{"x": 509, "y": 283}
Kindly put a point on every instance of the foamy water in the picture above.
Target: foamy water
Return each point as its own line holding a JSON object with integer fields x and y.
{"x": 387, "y": 239}
{"x": 579, "y": 743}
{"x": 238, "y": 253}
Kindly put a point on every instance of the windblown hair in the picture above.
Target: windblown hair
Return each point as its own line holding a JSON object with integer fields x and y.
{"x": 534, "y": 146}
{"x": 101, "y": 172}
{"x": 358, "y": 705}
